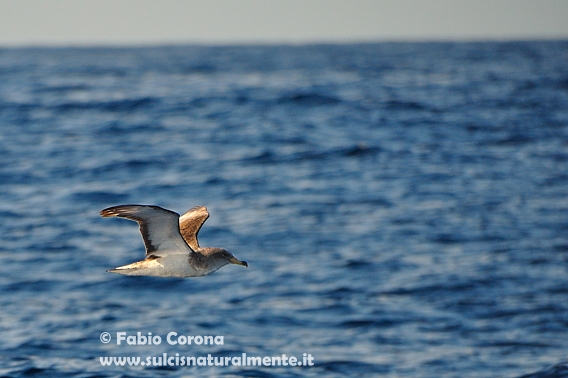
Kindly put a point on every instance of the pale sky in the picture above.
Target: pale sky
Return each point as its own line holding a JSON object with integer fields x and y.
{"x": 151, "y": 22}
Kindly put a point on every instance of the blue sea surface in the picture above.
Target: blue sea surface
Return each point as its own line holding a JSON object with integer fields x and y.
{"x": 403, "y": 207}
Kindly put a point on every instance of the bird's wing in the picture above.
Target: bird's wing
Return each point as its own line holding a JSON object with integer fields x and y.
{"x": 159, "y": 228}
{"x": 190, "y": 223}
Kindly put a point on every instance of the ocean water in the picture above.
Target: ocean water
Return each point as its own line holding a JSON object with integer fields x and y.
{"x": 403, "y": 208}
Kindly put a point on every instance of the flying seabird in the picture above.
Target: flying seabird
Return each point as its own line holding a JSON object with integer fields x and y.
{"x": 172, "y": 249}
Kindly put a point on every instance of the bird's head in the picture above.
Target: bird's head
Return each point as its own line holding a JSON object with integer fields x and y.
{"x": 228, "y": 257}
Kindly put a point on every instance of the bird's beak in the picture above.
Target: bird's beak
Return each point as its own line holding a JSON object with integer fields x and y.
{"x": 234, "y": 260}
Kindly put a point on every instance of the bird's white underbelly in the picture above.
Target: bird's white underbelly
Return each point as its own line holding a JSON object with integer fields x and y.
{"x": 167, "y": 266}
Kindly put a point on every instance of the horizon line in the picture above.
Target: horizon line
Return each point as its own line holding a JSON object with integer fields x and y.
{"x": 275, "y": 42}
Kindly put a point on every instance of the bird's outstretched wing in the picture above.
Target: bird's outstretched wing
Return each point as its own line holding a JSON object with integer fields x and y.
{"x": 159, "y": 228}
{"x": 190, "y": 223}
